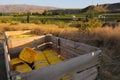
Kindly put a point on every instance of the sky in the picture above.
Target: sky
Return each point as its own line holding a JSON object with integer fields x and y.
{"x": 59, "y": 3}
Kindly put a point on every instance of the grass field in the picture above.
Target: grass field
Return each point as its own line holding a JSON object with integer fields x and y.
{"x": 108, "y": 39}
{"x": 63, "y": 20}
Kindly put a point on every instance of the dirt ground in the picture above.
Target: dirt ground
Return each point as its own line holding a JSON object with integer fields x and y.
{"x": 2, "y": 64}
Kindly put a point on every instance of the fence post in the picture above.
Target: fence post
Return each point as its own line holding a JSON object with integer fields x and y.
{"x": 59, "y": 44}
{"x": 7, "y": 58}
{"x": 99, "y": 66}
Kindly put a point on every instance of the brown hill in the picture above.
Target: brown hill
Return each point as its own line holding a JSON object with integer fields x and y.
{"x": 115, "y": 7}
{"x": 22, "y": 8}
{"x": 103, "y": 7}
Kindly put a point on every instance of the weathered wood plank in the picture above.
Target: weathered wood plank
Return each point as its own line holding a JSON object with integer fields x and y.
{"x": 54, "y": 39}
{"x": 7, "y": 59}
{"x": 12, "y": 33}
{"x": 65, "y": 52}
{"x": 16, "y": 45}
{"x": 75, "y": 45}
{"x": 89, "y": 74}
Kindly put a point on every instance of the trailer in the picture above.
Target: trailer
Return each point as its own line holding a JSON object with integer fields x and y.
{"x": 80, "y": 61}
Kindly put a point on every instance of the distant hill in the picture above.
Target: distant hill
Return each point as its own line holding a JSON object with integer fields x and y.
{"x": 115, "y": 7}
{"x": 96, "y": 8}
{"x": 103, "y": 7}
{"x": 23, "y": 8}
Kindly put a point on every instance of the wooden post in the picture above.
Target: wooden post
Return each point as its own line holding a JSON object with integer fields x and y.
{"x": 58, "y": 46}
{"x": 7, "y": 59}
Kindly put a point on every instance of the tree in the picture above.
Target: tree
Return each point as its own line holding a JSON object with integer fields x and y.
{"x": 28, "y": 17}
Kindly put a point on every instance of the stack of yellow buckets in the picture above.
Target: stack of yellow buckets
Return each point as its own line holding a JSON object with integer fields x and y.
{"x": 39, "y": 59}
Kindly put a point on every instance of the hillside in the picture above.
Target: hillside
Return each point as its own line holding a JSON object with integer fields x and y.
{"x": 103, "y": 7}
{"x": 115, "y": 7}
{"x": 22, "y": 8}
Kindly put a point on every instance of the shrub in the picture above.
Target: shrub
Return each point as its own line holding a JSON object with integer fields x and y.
{"x": 92, "y": 23}
{"x": 14, "y": 23}
{"x": 36, "y": 22}
{"x": 61, "y": 24}
{"x": 5, "y": 20}
{"x": 43, "y": 21}
{"x": 23, "y": 21}
{"x": 77, "y": 25}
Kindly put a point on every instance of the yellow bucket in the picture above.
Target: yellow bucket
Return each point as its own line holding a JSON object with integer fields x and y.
{"x": 52, "y": 56}
{"x": 23, "y": 68}
{"x": 54, "y": 59}
{"x": 50, "y": 53}
{"x": 14, "y": 62}
{"x": 38, "y": 57}
{"x": 67, "y": 77}
{"x": 40, "y": 64}
{"x": 27, "y": 55}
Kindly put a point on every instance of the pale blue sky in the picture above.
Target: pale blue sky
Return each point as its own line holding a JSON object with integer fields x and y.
{"x": 59, "y": 3}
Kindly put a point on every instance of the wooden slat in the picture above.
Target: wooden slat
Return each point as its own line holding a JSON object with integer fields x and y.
{"x": 16, "y": 45}
{"x": 67, "y": 53}
{"x": 74, "y": 51}
{"x": 7, "y": 59}
{"x": 75, "y": 45}
{"x": 12, "y": 33}
{"x": 89, "y": 74}
{"x": 83, "y": 46}
{"x": 54, "y": 39}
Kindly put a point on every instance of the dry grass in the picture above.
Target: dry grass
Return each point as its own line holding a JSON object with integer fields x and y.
{"x": 108, "y": 39}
